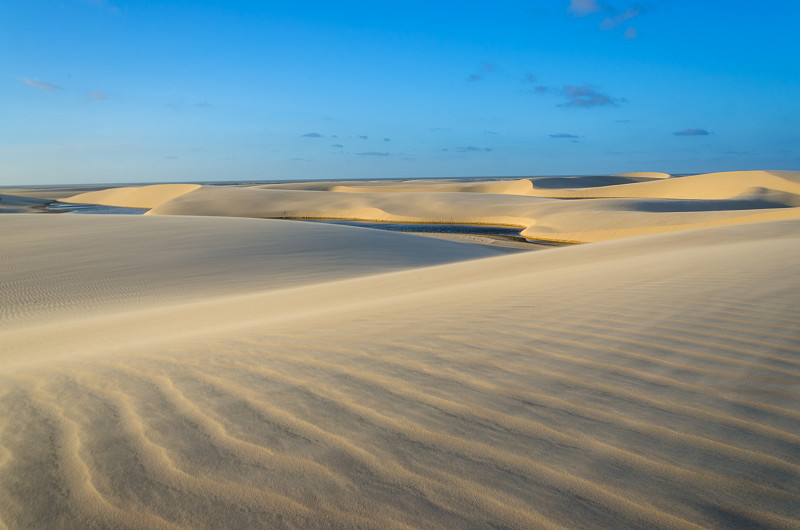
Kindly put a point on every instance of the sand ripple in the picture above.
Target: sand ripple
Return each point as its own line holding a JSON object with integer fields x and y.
{"x": 645, "y": 383}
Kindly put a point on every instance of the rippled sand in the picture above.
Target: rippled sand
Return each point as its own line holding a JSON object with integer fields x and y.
{"x": 206, "y": 372}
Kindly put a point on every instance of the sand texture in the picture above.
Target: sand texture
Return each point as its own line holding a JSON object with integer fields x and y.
{"x": 207, "y": 370}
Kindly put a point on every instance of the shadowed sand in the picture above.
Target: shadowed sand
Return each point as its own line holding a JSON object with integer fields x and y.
{"x": 201, "y": 372}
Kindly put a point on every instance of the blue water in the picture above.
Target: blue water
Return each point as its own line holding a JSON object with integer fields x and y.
{"x": 502, "y": 231}
{"x": 66, "y": 207}
{"x": 430, "y": 228}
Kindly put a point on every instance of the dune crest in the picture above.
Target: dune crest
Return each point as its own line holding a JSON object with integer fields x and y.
{"x": 506, "y": 187}
{"x": 647, "y": 174}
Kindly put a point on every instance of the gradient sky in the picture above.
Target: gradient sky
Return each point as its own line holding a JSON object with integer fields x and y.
{"x": 143, "y": 91}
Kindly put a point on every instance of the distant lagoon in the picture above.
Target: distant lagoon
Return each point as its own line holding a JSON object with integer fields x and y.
{"x": 433, "y": 228}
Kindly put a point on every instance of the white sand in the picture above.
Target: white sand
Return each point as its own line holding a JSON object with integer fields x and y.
{"x": 201, "y": 372}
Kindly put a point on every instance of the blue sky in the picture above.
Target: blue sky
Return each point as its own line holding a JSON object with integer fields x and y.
{"x": 135, "y": 91}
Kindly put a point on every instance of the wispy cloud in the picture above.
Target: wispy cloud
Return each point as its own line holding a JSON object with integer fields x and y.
{"x": 614, "y": 17}
{"x": 531, "y": 80}
{"x": 311, "y": 135}
{"x": 483, "y": 69}
{"x": 581, "y": 8}
{"x": 565, "y": 135}
{"x": 630, "y": 34}
{"x": 374, "y": 153}
{"x": 628, "y": 14}
{"x": 587, "y": 96}
{"x": 98, "y": 95}
{"x": 692, "y": 132}
{"x": 472, "y": 149}
{"x": 41, "y": 84}
{"x": 584, "y": 96}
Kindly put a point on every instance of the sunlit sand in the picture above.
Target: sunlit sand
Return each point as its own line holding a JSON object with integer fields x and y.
{"x": 217, "y": 364}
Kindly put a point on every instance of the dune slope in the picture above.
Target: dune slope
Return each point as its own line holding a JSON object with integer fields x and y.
{"x": 58, "y": 265}
{"x": 622, "y": 384}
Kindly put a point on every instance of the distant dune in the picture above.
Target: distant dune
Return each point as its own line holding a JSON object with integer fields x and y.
{"x": 642, "y": 207}
{"x": 646, "y": 174}
{"x": 199, "y": 368}
{"x": 133, "y": 197}
{"x": 707, "y": 186}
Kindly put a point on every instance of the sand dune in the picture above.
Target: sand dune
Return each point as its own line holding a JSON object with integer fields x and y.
{"x": 199, "y": 368}
{"x": 538, "y": 218}
{"x": 506, "y": 187}
{"x": 724, "y": 185}
{"x": 95, "y": 262}
{"x": 646, "y": 174}
{"x": 133, "y": 196}
{"x": 613, "y": 207}
{"x": 649, "y": 382}
{"x": 437, "y": 207}
{"x": 607, "y": 219}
